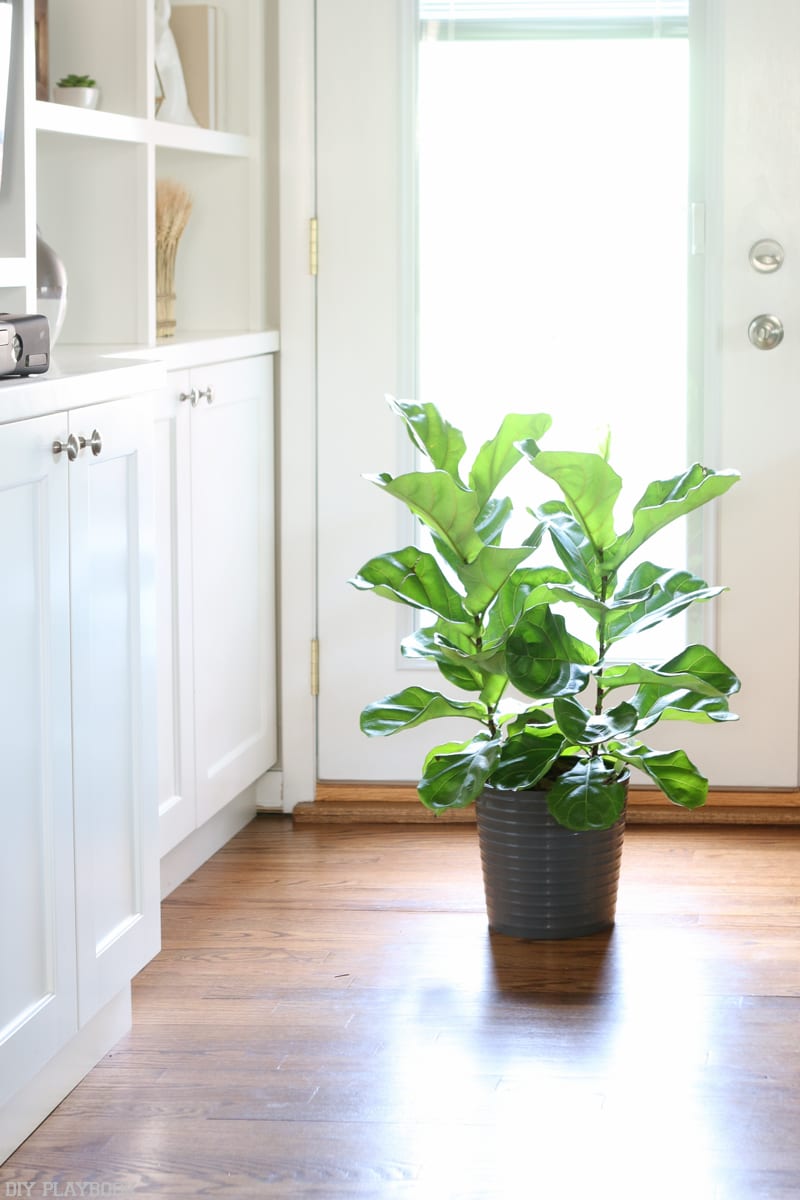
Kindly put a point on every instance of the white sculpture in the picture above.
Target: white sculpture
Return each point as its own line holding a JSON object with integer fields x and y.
{"x": 175, "y": 105}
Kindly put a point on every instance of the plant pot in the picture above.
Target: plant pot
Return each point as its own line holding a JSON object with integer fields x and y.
{"x": 542, "y": 880}
{"x": 78, "y": 97}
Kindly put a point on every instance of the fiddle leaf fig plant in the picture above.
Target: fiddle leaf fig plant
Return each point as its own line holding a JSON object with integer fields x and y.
{"x": 492, "y": 622}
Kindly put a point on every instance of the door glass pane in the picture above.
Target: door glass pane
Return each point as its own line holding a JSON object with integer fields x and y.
{"x": 552, "y": 197}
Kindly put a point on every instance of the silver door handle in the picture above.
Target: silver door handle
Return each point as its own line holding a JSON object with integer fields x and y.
{"x": 765, "y": 332}
{"x": 207, "y": 393}
{"x": 191, "y": 396}
{"x": 70, "y": 447}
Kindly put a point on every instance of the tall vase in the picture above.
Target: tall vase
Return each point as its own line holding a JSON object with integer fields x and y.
{"x": 51, "y": 286}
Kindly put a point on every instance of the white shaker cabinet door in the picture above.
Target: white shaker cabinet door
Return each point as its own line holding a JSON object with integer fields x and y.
{"x": 175, "y": 671}
{"x": 113, "y": 680}
{"x": 37, "y": 906}
{"x": 233, "y": 569}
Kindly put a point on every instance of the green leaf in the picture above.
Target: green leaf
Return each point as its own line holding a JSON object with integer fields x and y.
{"x": 438, "y": 440}
{"x": 454, "y": 776}
{"x": 696, "y": 669}
{"x": 413, "y": 706}
{"x": 525, "y": 759}
{"x": 537, "y": 721}
{"x": 492, "y": 520}
{"x": 446, "y": 508}
{"x": 672, "y": 771}
{"x": 706, "y": 665}
{"x": 497, "y": 456}
{"x": 483, "y": 578}
{"x": 591, "y": 488}
{"x": 589, "y": 796}
{"x": 595, "y": 608}
{"x": 438, "y": 647}
{"x": 411, "y": 577}
{"x": 651, "y": 595}
{"x": 664, "y": 501}
{"x": 571, "y": 545}
{"x": 526, "y": 588}
{"x": 652, "y": 703}
{"x": 544, "y": 659}
{"x": 585, "y": 728}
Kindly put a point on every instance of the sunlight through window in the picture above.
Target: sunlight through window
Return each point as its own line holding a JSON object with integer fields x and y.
{"x": 552, "y": 218}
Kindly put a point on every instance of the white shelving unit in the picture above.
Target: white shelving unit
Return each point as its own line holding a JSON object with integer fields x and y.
{"x": 88, "y": 178}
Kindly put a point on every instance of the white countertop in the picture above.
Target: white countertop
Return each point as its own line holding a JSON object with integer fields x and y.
{"x": 82, "y": 375}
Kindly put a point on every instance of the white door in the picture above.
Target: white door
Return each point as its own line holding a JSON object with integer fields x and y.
{"x": 233, "y": 585}
{"x": 38, "y": 1009}
{"x": 113, "y": 689}
{"x": 748, "y": 189}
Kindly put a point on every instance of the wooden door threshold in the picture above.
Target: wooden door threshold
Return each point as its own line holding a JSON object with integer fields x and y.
{"x": 343, "y": 802}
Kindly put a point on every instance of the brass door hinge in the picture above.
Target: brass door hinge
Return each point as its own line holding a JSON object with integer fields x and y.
{"x": 314, "y": 666}
{"x": 313, "y": 246}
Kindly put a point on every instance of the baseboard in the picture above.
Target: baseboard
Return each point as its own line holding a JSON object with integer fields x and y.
{"x": 344, "y": 801}
{"x": 37, "y": 1099}
{"x": 197, "y": 848}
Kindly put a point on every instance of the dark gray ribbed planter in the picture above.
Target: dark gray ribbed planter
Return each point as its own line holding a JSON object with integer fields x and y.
{"x": 541, "y": 880}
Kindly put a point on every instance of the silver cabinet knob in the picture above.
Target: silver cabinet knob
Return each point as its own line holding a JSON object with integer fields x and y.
{"x": 71, "y": 447}
{"x": 95, "y": 442}
{"x": 765, "y": 332}
{"x": 191, "y": 396}
{"x": 207, "y": 393}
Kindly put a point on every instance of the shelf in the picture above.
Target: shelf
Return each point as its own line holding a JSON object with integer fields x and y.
{"x": 63, "y": 118}
{"x": 94, "y": 123}
{"x": 201, "y": 141}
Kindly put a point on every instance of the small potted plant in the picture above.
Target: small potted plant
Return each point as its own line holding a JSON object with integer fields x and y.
{"x": 81, "y": 91}
{"x": 559, "y": 718}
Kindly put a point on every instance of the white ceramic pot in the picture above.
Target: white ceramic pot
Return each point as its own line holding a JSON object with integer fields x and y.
{"x": 78, "y": 97}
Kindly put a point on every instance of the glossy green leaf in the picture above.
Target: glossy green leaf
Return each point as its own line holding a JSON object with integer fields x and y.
{"x": 697, "y": 669}
{"x": 456, "y": 662}
{"x": 672, "y": 771}
{"x": 492, "y": 520}
{"x": 438, "y": 440}
{"x": 412, "y": 577}
{"x": 538, "y": 721}
{"x": 544, "y": 659}
{"x": 526, "y": 588}
{"x": 525, "y": 759}
{"x": 654, "y": 703}
{"x": 455, "y": 777}
{"x": 413, "y": 706}
{"x": 572, "y": 545}
{"x": 588, "y": 796}
{"x": 497, "y": 456}
{"x": 590, "y": 487}
{"x": 585, "y": 728}
{"x": 639, "y": 605}
{"x": 706, "y": 665}
{"x": 664, "y": 501}
{"x": 483, "y": 578}
{"x": 444, "y": 507}
{"x": 572, "y": 595}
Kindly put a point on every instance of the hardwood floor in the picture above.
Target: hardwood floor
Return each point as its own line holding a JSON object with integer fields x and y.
{"x": 330, "y": 1017}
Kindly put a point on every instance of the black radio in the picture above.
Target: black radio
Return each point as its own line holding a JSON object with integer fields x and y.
{"x": 24, "y": 344}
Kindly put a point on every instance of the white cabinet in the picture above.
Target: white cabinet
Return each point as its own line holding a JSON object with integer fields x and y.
{"x": 78, "y": 849}
{"x": 216, "y": 589}
{"x": 38, "y": 999}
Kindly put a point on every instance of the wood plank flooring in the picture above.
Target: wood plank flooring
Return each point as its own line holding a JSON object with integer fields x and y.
{"x": 329, "y": 1017}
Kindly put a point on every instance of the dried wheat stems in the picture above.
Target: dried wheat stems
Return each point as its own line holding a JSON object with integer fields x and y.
{"x": 173, "y": 207}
